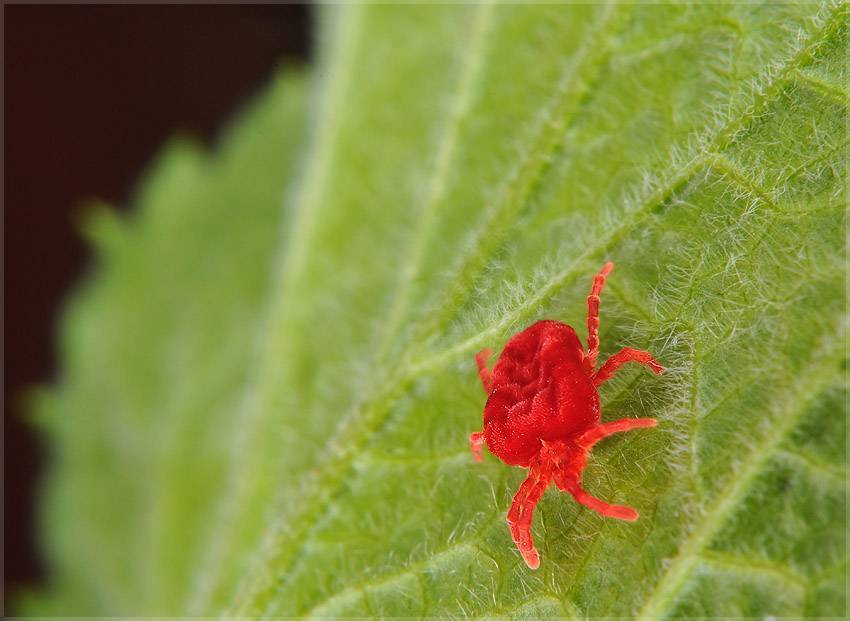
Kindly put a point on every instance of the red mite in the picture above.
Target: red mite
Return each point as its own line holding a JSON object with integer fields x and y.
{"x": 542, "y": 413}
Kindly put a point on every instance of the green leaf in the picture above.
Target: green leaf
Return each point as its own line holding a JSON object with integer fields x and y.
{"x": 262, "y": 423}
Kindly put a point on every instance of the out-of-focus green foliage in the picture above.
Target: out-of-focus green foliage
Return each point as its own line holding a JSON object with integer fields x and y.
{"x": 266, "y": 394}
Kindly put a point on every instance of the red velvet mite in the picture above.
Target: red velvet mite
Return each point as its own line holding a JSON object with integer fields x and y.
{"x": 542, "y": 413}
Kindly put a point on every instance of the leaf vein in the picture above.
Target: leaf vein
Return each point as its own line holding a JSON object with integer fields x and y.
{"x": 467, "y": 85}
{"x": 718, "y": 138}
{"x": 715, "y": 517}
{"x": 210, "y": 564}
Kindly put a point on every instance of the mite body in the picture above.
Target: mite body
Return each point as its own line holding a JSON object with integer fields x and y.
{"x": 543, "y": 413}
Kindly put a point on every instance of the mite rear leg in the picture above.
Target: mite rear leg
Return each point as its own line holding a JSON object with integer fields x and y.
{"x": 521, "y": 512}
{"x": 627, "y": 354}
{"x": 484, "y": 372}
{"x": 593, "y": 315}
{"x": 476, "y": 444}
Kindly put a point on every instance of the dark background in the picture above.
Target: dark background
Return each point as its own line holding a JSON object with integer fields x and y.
{"x": 91, "y": 93}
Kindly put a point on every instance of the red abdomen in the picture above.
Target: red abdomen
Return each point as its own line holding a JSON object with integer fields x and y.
{"x": 541, "y": 391}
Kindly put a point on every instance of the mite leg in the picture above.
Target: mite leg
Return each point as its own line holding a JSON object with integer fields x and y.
{"x": 593, "y": 314}
{"x": 483, "y": 371}
{"x": 476, "y": 442}
{"x": 600, "y": 506}
{"x": 627, "y": 354}
{"x": 603, "y": 431}
{"x": 570, "y": 482}
{"x": 521, "y": 512}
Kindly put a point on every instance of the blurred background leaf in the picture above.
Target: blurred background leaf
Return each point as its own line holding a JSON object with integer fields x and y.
{"x": 268, "y": 384}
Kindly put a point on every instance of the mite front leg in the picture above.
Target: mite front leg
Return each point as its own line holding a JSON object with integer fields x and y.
{"x": 570, "y": 480}
{"x": 627, "y": 354}
{"x": 620, "y": 512}
{"x": 593, "y": 315}
{"x": 521, "y": 512}
{"x": 476, "y": 439}
{"x": 476, "y": 443}
{"x": 589, "y": 438}
{"x": 483, "y": 371}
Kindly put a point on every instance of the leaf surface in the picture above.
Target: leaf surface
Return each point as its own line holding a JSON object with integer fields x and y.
{"x": 259, "y": 423}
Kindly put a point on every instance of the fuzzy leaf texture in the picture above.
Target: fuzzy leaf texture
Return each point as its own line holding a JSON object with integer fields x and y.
{"x": 268, "y": 382}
